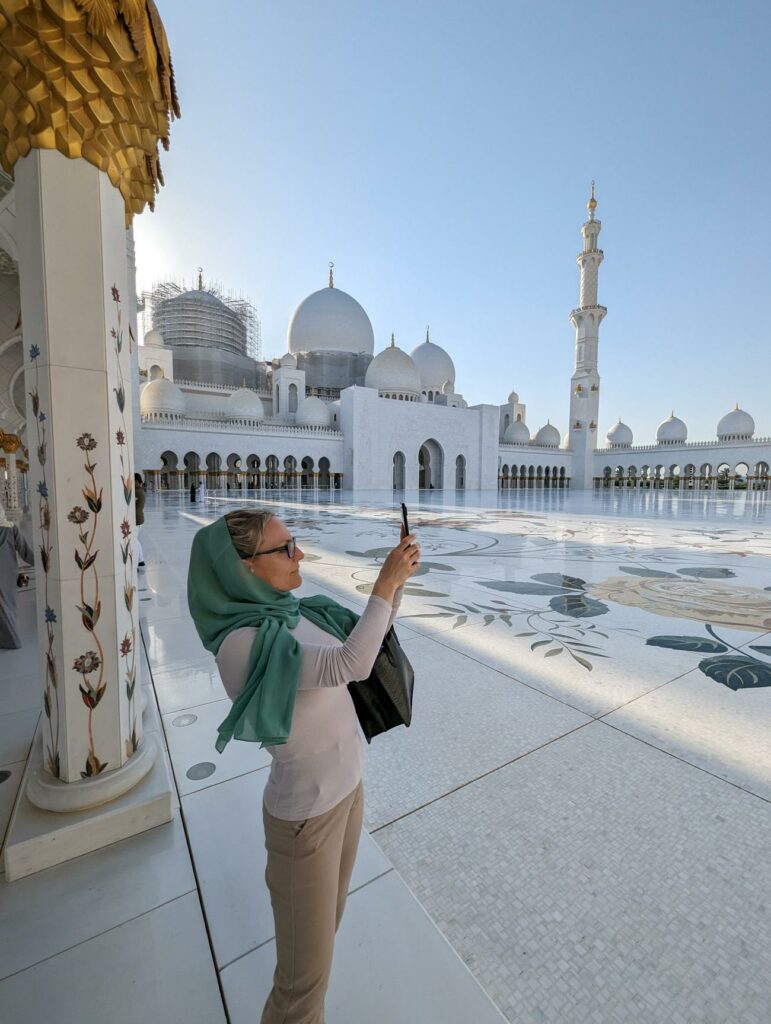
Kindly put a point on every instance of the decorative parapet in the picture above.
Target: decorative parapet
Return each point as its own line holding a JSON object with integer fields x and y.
{"x": 92, "y": 79}
{"x": 530, "y": 446}
{"x": 682, "y": 444}
{"x": 234, "y": 426}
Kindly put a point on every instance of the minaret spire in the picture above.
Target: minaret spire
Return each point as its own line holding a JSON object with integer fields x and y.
{"x": 585, "y": 383}
{"x": 331, "y": 275}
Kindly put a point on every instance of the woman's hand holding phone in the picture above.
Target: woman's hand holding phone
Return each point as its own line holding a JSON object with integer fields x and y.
{"x": 400, "y": 564}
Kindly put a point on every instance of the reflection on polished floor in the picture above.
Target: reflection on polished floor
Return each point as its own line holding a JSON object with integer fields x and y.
{"x": 582, "y": 806}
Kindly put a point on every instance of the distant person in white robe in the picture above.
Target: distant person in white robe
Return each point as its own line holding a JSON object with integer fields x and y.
{"x": 12, "y": 545}
{"x": 202, "y": 491}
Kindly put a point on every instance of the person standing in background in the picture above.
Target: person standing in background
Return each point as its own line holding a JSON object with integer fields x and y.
{"x": 139, "y": 511}
{"x": 12, "y": 544}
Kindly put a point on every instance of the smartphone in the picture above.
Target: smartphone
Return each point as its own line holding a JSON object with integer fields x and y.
{"x": 404, "y": 520}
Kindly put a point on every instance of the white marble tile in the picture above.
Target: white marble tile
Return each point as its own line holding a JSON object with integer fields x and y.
{"x": 16, "y": 732}
{"x": 228, "y": 843}
{"x": 52, "y": 910}
{"x": 10, "y": 780}
{"x": 191, "y": 736}
{"x": 709, "y": 725}
{"x": 467, "y": 720}
{"x": 597, "y": 878}
{"x": 156, "y": 967}
{"x": 173, "y": 643}
{"x": 19, "y": 692}
{"x": 187, "y": 687}
{"x": 391, "y": 965}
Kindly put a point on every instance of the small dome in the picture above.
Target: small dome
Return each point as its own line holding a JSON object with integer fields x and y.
{"x": 244, "y": 404}
{"x": 737, "y": 425}
{"x": 516, "y": 433}
{"x": 154, "y": 339}
{"x": 162, "y": 396}
{"x": 548, "y": 437}
{"x": 448, "y": 388}
{"x": 672, "y": 431}
{"x": 289, "y": 361}
{"x": 334, "y": 412}
{"x": 434, "y": 364}
{"x": 330, "y": 320}
{"x": 513, "y": 398}
{"x": 312, "y": 412}
{"x": 619, "y": 435}
{"x": 565, "y": 441}
{"x": 393, "y": 370}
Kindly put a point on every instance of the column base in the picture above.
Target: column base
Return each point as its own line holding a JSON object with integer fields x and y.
{"x": 81, "y": 817}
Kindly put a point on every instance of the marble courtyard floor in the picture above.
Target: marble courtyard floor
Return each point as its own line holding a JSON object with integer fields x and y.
{"x": 575, "y": 828}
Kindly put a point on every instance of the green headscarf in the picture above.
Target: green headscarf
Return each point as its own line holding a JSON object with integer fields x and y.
{"x": 222, "y": 596}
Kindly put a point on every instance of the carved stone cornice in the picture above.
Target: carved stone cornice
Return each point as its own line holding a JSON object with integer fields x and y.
{"x": 92, "y": 79}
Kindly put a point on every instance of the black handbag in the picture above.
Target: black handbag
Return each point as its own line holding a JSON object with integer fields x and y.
{"x": 384, "y": 699}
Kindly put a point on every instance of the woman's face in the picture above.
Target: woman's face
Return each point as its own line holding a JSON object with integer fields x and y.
{"x": 276, "y": 568}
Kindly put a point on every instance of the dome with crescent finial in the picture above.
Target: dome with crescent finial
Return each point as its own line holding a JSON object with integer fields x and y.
{"x": 548, "y": 436}
{"x": 154, "y": 339}
{"x": 619, "y": 435}
{"x": 434, "y": 364}
{"x": 244, "y": 404}
{"x": 312, "y": 412}
{"x": 162, "y": 396}
{"x": 516, "y": 433}
{"x": 330, "y": 320}
{"x": 393, "y": 370}
{"x": 737, "y": 425}
{"x": 671, "y": 431}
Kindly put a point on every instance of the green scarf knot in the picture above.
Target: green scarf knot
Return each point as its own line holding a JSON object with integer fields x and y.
{"x": 224, "y": 595}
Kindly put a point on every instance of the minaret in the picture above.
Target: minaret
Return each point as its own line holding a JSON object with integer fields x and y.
{"x": 585, "y": 382}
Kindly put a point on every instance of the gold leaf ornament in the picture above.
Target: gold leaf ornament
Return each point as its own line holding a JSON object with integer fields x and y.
{"x": 92, "y": 79}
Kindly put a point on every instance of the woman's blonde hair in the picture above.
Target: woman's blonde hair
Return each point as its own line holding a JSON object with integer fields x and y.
{"x": 246, "y": 528}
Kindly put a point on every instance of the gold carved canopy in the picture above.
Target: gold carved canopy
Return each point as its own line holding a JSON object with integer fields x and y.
{"x": 91, "y": 79}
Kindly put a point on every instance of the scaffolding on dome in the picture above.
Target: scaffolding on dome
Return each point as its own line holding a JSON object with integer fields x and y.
{"x": 243, "y": 334}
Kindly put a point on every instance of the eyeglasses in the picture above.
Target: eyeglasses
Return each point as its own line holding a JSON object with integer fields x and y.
{"x": 290, "y": 547}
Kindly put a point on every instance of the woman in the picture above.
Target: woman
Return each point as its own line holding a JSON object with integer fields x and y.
{"x": 12, "y": 544}
{"x": 285, "y": 664}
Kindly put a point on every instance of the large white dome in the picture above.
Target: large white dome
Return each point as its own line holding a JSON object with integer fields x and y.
{"x": 516, "y": 433}
{"x": 162, "y": 396}
{"x": 330, "y": 320}
{"x": 672, "y": 431}
{"x": 737, "y": 425}
{"x": 619, "y": 435}
{"x": 393, "y": 370}
{"x": 548, "y": 436}
{"x": 312, "y": 412}
{"x": 434, "y": 365}
{"x": 244, "y": 404}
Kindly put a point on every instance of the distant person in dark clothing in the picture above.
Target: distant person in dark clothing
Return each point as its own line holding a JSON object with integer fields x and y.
{"x": 192, "y": 493}
{"x": 139, "y": 509}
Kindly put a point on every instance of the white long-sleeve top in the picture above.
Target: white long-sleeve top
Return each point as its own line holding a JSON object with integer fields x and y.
{"x": 321, "y": 762}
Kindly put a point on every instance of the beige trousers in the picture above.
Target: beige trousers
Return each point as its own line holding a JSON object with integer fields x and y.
{"x": 309, "y": 869}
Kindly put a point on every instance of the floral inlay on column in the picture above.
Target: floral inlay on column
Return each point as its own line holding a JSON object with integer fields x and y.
{"x": 92, "y": 662}
{"x": 51, "y": 690}
{"x": 128, "y": 643}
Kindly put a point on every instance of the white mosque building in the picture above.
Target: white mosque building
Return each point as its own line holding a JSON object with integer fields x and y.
{"x": 330, "y": 413}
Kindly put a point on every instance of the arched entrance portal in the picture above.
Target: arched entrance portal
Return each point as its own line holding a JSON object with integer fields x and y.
{"x": 431, "y": 465}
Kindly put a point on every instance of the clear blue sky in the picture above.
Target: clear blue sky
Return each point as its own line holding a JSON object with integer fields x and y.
{"x": 441, "y": 152}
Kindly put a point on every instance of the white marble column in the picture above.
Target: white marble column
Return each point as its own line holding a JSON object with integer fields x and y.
{"x": 73, "y": 280}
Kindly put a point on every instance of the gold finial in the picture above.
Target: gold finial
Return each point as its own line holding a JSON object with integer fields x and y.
{"x": 736, "y": 407}
{"x": 427, "y": 337}
{"x": 200, "y": 279}
{"x": 331, "y": 275}
{"x": 592, "y": 204}
{"x": 393, "y": 343}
